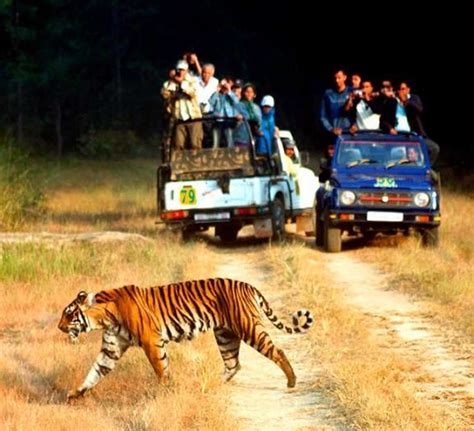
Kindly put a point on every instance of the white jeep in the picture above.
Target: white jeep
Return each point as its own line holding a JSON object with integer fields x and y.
{"x": 230, "y": 186}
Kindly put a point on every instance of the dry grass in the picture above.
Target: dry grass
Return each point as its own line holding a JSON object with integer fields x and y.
{"x": 37, "y": 363}
{"x": 376, "y": 389}
{"x": 38, "y": 366}
{"x": 87, "y": 195}
{"x": 444, "y": 275}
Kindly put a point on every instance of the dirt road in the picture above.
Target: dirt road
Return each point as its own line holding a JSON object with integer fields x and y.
{"x": 444, "y": 369}
{"x": 258, "y": 392}
{"x": 258, "y": 395}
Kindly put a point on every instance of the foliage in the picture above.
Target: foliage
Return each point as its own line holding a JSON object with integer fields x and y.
{"x": 109, "y": 143}
{"x": 20, "y": 191}
{"x": 91, "y": 63}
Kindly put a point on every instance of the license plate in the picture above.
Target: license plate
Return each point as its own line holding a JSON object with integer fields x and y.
{"x": 212, "y": 216}
{"x": 384, "y": 216}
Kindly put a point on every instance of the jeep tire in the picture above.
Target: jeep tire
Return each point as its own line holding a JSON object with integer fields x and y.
{"x": 278, "y": 219}
{"x": 332, "y": 236}
{"x": 319, "y": 229}
{"x": 312, "y": 232}
{"x": 430, "y": 237}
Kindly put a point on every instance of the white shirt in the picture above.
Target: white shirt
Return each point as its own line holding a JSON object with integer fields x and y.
{"x": 366, "y": 119}
{"x": 402, "y": 120}
{"x": 204, "y": 92}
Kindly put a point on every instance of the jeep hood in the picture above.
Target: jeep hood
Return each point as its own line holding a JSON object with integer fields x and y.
{"x": 383, "y": 179}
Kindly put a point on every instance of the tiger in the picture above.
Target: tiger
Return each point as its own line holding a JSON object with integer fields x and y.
{"x": 151, "y": 317}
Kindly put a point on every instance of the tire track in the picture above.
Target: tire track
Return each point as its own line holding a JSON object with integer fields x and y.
{"x": 258, "y": 393}
{"x": 446, "y": 369}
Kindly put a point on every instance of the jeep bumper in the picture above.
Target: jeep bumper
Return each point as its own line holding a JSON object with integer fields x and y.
{"x": 382, "y": 220}
{"x": 211, "y": 217}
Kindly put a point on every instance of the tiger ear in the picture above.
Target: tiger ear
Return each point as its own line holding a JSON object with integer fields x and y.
{"x": 84, "y": 298}
{"x": 81, "y": 297}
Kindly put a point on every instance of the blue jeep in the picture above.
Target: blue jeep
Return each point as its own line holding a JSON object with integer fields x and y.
{"x": 377, "y": 183}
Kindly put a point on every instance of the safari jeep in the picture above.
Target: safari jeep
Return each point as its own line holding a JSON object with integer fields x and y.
{"x": 228, "y": 187}
{"x": 378, "y": 183}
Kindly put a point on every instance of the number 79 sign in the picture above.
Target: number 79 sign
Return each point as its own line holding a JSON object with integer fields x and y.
{"x": 187, "y": 195}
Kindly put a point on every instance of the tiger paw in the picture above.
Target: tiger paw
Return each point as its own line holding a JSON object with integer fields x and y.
{"x": 74, "y": 395}
{"x": 229, "y": 373}
{"x": 291, "y": 382}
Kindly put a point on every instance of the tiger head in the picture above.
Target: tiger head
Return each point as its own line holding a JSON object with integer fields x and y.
{"x": 74, "y": 320}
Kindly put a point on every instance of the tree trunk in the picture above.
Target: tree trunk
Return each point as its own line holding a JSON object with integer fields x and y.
{"x": 19, "y": 121}
{"x": 59, "y": 133}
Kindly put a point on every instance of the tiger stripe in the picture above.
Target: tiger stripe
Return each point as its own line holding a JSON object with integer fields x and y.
{"x": 151, "y": 317}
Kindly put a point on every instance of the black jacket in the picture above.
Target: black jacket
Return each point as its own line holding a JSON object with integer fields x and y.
{"x": 414, "y": 109}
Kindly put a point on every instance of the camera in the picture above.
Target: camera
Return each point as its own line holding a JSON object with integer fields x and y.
{"x": 358, "y": 93}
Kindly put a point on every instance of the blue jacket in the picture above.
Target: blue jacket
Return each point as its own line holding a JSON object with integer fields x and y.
{"x": 224, "y": 105}
{"x": 265, "y": 142}
{"x": 332, "y": 114}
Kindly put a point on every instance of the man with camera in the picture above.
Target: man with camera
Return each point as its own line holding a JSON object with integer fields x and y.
{"x": 180, "y": 93}
{"x": 224, "y": 104}
{"x": 414, "y": 109}
{"x": 364, "y": 108}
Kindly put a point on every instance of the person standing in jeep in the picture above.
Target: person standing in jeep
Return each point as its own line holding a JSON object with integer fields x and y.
{"x": 181, "y": 93}
{"x": 414, "y": 109}
{"x": 365, "y": 109}
{"x": 333, "y": 117}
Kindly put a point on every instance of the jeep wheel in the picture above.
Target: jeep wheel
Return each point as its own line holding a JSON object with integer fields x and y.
{"x": 227, "y": 233}
{"x": 278, "y": 219}
{"x": 312, "y": 232}
{"x": 430, "y": 237}
{"x": 187, "y": 233}
{"x": 319, "y": 230}
{"x": 332, "y": 236}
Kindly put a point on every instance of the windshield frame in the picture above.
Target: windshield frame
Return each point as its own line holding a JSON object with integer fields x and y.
{"x": 382, "y": 154}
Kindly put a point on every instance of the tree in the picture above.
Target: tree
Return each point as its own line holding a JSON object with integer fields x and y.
{"x": 18, "y": 61}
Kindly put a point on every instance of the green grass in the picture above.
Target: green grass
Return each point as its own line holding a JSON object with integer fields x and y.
{"x": 36, "y": 262}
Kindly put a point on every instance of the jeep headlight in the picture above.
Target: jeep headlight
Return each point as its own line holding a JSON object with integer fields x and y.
{"x": 421, "y": 199}
{"x": 347, "y": 197}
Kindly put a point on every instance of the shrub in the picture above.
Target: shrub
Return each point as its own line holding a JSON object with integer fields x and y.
{"x": 20, "y": 190}
{"x": 109, "y": 143}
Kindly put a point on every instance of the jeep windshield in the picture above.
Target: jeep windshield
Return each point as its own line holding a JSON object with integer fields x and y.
{"x": 352, "y": 153}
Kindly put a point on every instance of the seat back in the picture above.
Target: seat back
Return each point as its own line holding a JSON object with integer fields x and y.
{"x": 398, "y": 153}
{"x": 349, "y": 155}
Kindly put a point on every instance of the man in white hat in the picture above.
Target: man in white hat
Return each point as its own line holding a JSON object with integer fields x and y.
{"x": 181, "y": 93}
{"x": 268, "y": 129}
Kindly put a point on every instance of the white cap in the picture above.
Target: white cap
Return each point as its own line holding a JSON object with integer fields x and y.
{"x": 182, "y": 64}
{"x": 268, "y": 101}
